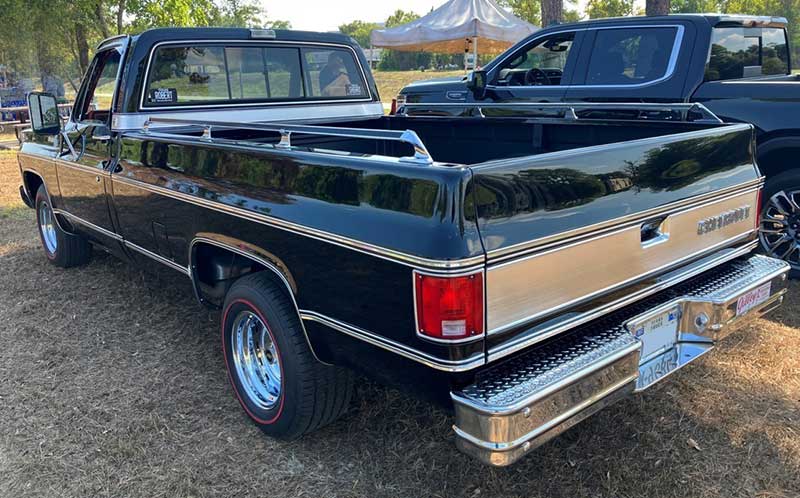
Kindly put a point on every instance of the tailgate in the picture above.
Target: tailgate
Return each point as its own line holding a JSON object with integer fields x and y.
{"x": 567, "y": 228}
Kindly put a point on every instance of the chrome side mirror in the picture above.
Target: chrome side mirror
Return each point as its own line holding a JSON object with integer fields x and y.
{"x": 43, "y": 111}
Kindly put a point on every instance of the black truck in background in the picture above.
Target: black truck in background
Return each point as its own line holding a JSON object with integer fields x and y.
{"x": 739, "y": 67}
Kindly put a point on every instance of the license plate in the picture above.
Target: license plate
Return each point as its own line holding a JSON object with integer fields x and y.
{"x": 658, "y": 333}
{"x": 657, "y": 368}
{"x": 753, "y": 298}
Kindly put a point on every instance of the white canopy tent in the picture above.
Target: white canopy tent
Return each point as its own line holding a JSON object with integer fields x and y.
{"x": 454, "y": 26}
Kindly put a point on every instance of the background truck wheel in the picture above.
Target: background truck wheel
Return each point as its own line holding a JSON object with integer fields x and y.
{"x": 274, "y": 374}
{"x": 780, "y": 219}
{"x": 61, "y": 248}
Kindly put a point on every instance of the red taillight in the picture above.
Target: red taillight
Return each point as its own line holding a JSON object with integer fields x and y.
{"x": 449, "y": 308}
{"x": 393, "y": 109}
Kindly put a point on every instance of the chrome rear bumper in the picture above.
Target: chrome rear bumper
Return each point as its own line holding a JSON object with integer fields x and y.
{"x": 524, "y": 402}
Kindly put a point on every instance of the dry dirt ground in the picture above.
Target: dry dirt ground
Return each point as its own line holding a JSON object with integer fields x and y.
{"x": 112, "y": 385}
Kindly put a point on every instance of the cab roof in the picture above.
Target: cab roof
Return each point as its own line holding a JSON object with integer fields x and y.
{"x": 714, "y": 19}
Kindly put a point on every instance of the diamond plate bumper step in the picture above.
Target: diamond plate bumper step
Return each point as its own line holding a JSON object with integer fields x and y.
{"x": 527, "y": 400}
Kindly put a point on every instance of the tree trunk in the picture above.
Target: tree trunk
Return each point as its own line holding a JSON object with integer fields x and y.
{"x": 657, "y": 7}
{"x": 47, "y": 69}
{"x": 101, "y": 20}
{"x": 120, "y": 13}
{"x": 83, "y": 47}
{"x": 552, "y": 12}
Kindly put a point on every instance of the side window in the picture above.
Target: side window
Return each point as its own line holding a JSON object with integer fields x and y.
{"x": 747, "y": 52}
{"x": 541, "y": 64}
{"x": 99, "y": 93}
{"x": 630, "y": 56}
{"x": 332, "y": 73}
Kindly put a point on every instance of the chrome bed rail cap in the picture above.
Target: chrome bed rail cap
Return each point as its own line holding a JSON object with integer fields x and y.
{"x": 570, "y": 108}
{"x": 410, "y": 137}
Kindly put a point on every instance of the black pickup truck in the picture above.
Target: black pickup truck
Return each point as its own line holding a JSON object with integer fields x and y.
{"x": 739, "y": 67}
{"x": 523, "y": 272}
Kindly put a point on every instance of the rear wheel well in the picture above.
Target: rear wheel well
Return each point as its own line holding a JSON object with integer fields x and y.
{"x": 215, "y": 269}
{"x": 32, "y": 182}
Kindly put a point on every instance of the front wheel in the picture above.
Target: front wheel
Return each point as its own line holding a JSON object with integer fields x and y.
{"x": 282, "y": 387}
{"x": 779, "y": 230}
{"x": 61, "y": 248}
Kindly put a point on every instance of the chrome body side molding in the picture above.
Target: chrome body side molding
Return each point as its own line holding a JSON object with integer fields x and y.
{"x": 364, "y": 247}
{"x": 393, "y": 346}
{"x": 80, "y": 221}
{"x": 157, "y": 257}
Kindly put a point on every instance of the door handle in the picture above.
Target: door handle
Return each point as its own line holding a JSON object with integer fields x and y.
{"x": 654, "y": 232}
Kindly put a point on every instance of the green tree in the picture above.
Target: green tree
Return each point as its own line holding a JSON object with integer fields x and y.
{"x": 527, "y": 10}
{"x": 279, "y": 24}
{"x": 689, "y": 6}
{"x": 359, "y": 31}
{"x": 596, "y": 9}
{"x": 401, "y": 17}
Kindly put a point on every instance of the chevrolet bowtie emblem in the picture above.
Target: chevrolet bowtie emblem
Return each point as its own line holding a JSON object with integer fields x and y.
{"x": 723, "y": 219}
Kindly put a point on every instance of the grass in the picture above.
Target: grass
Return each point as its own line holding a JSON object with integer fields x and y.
{"x": 112, "y": 385}
{"x": 391, "y": 82}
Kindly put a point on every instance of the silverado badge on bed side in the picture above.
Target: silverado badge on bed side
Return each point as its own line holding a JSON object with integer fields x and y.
{"x": 722, "y": 220}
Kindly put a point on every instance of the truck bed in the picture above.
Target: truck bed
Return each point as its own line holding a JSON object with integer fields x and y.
{"x": 463, "y": 141}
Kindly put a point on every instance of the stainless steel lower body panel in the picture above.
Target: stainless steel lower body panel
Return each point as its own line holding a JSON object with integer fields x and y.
{"x": 529, "y": 399}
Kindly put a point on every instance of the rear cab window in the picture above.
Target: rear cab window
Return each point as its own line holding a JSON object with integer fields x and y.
{"x": 200, "y": 74}
{"x": 632, "y": 56}
{"x": 738, "y": 52}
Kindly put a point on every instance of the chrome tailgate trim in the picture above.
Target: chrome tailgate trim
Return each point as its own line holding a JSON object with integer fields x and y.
{"x": 566, "y": 275}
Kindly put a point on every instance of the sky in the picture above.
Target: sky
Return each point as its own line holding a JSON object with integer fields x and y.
{"x": 327, "y": 15}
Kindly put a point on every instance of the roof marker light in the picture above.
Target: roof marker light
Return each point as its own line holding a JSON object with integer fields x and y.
{"x": 268, "y": 34}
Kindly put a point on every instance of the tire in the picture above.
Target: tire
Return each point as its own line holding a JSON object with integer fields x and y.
{"x": 779, "y": 230}
{"x": 309, "y": 394}
{"x": 61, "y": 248}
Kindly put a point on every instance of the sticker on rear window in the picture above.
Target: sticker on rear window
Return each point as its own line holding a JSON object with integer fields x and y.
{"x": 164, "y": 95}
{"x": 354, "y": 89}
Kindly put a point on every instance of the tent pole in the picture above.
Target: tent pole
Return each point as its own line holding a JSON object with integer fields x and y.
{"x": 466, "y": 50}
{"x": 475, "y": 48}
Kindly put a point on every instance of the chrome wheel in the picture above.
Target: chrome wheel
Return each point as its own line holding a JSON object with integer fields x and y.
{"x": 47, "y": 227}
{"x": 780, "y": 227}
{"x": 255, "y": 356}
